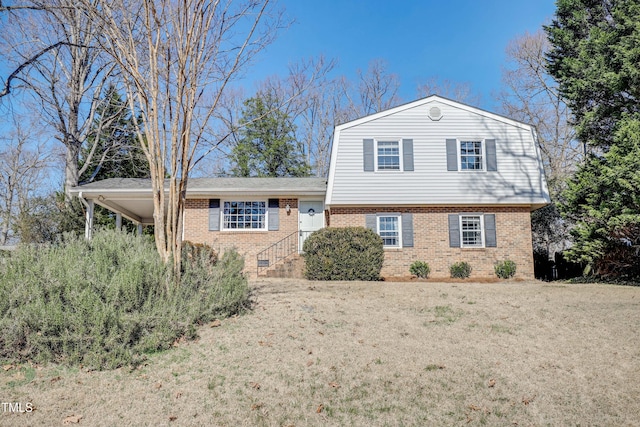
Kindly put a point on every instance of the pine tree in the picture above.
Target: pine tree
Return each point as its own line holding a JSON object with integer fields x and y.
{"x": 267, "y": 146}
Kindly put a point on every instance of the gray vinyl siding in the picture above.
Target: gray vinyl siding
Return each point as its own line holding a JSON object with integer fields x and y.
{"x": 517, "y": 180}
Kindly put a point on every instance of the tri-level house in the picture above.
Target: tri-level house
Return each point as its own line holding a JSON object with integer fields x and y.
{"x": 438, "y": 180}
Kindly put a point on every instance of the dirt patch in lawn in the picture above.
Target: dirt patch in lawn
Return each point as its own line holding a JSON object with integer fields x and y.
{"x": 353, "y": 353}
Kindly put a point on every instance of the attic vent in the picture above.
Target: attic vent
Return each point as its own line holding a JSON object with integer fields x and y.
{"x": 435, "y": 113}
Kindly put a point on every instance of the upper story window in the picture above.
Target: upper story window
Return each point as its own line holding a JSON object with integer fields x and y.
{"x": 388, "y": 155}
{"x": 471, "y": 155}
{"x": 245, "y": 215}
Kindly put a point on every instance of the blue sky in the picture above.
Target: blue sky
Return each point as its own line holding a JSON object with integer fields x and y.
{"x": 462, "y": 41}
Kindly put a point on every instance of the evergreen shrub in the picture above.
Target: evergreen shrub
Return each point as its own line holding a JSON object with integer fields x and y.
{"x": 349, "y": 253}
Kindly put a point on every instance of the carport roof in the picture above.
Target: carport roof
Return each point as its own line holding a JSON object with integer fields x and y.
{"x": 132, "y": 197}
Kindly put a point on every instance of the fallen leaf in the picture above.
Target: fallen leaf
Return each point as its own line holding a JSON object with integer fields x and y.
{"x": 215, "y": 323}
{"x": 255, "y": 385}
{"x": 178, "y": 395}
{"x": 172, "y": 418}
{"x": 158, "y": 386}
{"x": 54, "y": 379}
{"x": 492, "y": 383}
{"x": 527, "y": 400}
{"x": 264, "y": 343}
{"x": 256, "y": 406}
{"x": 334, "y": 384}
{"x": 320, "y": 408}
{"x": 8, "y": 367}
{"x": 72, "y": 419}
{"x": 310, "y": 362}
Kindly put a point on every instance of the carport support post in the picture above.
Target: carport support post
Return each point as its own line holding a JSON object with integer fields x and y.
{"x": 118, "y": 221}
{"x": 88, "y": 223}
{"x": 139, "y": 229}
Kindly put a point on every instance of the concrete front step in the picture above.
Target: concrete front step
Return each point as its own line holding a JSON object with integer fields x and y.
{"x": 290, "y": 268}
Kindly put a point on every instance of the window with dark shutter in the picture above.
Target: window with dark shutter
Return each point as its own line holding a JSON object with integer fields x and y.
{"x": 214, "y": 214}
{"x": 490, "y": 231}
{"x": 454, "y": 230}
{"x": 407, "y": 154}
{"x": 368, "y": 156}
{"x": 452, "y": 154}
{"x": 492, "y": 163}
{"x": 274, "y": 214}
{"x": 407, "y": 230}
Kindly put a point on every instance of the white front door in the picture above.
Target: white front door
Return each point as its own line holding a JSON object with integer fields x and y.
{"x": 311, "y": 218}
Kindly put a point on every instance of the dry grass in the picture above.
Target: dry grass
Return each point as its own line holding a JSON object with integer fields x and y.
{"x": 373, "y": 354}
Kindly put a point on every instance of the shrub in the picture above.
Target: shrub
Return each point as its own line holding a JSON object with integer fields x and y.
{"x": 198, "y": 255}
{"x": 105, "y": 303}
{"x": 460, "y": 270}
{"x": 420, "y": 269}
{"x": 350, "y": 253}
{"x": 505, "y": 269}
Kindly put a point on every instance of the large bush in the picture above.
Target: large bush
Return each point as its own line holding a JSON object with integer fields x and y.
{"x": 106, "y": 302}
{"x": 350, "y": 253}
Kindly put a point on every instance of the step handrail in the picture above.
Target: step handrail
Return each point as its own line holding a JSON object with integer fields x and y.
{"x": 277, "y": 252}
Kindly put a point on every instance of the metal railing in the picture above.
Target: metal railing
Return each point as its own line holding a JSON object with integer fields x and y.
{"x": 275, "y": 253}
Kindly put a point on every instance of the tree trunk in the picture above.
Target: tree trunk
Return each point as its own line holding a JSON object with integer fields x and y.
{"x": 71, "y": 176}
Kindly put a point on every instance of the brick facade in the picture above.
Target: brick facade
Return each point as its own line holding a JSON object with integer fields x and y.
{"x": 431, "y": 240}
{"x": 247, "y": 243}
{"x": 431, "y": 237}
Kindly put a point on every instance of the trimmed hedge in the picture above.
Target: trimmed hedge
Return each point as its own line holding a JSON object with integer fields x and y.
{"x": 349, "y": 253}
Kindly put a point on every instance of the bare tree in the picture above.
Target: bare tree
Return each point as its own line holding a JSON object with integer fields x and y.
{"x": 531, "y": 95}
{"x": 307, "y": 96}
{"x": 23, "y": 169}
{"x": 461, "y": 92}
{"x": 177, "y": 60}
{"x": 377, "y": 90}
{"x": 52, "y": 48}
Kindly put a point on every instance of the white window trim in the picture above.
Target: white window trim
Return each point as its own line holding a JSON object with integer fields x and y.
{"x": 400, "y": 154}
{"x": 245, "y": 230}
{"x": 395, "y": 215}
{"x": 484, "y": 155}
{"x": 482, "y": 232}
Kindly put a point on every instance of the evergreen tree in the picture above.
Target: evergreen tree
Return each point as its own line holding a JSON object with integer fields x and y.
{"x": 604, "y": 200}
{"x": 595, "y": 57}
{"x": 267, "y": 146}
{"x": 117, "y": 153}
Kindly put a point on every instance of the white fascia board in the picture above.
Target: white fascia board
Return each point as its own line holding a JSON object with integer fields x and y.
{"x": 332, "y": 166}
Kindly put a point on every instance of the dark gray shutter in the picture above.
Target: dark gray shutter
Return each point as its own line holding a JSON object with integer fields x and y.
{"x": 407, "y": 230}
{"x": 214, "y": 214}
{"x": 368, "y": 158}
{"x": 407, "y": 154}
{"x": 454, "y": 230}
{"x": 274, "y": 214}
{"x": 371, "y": 222}
{"x": 490, "y": 231}
{"x": 492, "y": 163}
{"x": 452, "y": 154}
